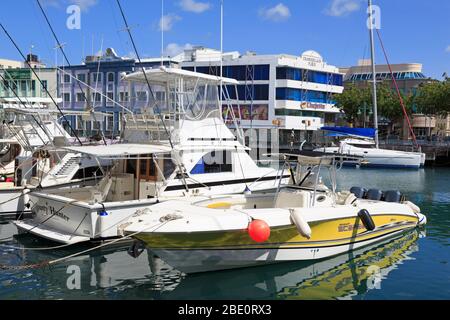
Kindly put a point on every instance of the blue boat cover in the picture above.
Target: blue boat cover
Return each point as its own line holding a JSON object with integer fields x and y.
{"x": 360, "y": 132}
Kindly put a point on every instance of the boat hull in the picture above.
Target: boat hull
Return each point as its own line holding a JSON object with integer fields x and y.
{"x": 197, "y": 261}
{"x": 235, "y": 249}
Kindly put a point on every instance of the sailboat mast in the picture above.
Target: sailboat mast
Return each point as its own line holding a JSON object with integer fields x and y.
{"x": 221, "y": 55}
{"x": 374, "y": 73}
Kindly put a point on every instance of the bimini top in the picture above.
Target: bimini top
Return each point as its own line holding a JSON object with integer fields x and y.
{"x": 359, "y": 132}
{"x": 120, "y": 150}
{"x": 164, "y": 75}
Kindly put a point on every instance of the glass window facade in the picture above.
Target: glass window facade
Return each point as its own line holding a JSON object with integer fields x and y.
{"x": 250, "y": 92}
{"x": 387, "y": 76}
{"x": 240, "y": 73}
{"x": 286, "y": 73}
{"x": 298, "y": 113}
{"x": 303, "y": 95}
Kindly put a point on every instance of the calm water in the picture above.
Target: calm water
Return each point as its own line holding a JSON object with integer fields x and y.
{"x": 413, "y": 266}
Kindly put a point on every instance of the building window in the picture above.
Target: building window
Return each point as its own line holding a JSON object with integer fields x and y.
{"x": 96, "y": 97}
{"x": 141, "y": 96}
{"x": 303, "y": 95}
{"x": 111, "y": 77}
{"x": 124, "y": 96}
{"x": 286, "y": 73}
{"x": 66, "y": 78}
{"x": 249, "y": 92}
{"x": 81, "y": 77}
{"x": 96, "y": 77}
{"x": 214, "y": 162}
{"x": 80, "y": 97}
{"x": 66, "y": 97}
{"x": 110, "y": 96}
{"x": 44, "y": 84}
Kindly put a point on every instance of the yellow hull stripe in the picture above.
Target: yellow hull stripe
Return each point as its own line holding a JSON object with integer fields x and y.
{"x": 324, "y": 233}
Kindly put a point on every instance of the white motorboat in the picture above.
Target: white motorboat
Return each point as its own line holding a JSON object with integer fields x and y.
{"x": 297, "y": 222}
{"x": 376, "y": 157}
{"x": 191, "y": 153}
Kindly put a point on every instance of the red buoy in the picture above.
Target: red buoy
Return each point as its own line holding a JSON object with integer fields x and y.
{"x": 259, "y": 230}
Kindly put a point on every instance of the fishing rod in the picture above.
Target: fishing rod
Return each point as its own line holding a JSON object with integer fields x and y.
{"x": 41, "y": 83}
{"x": 60, "y": 46}
{"x": 182, "y": 172}
{"x": 145, "y": 75}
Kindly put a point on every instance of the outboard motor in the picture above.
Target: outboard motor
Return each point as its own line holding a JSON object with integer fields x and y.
{"x": 392, "y": 196}
{"x": 358, "y": 192}
{"x": 374, "y": 194}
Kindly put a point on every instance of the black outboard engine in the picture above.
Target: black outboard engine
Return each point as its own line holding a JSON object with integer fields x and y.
{"x": 392, "y": 196}
{"x": 358, "y": 192}
{"x": 374, "y": 194}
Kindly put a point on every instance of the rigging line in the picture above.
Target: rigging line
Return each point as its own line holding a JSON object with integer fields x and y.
{"x": 41, "y": 83}
{"x": 145, "y": 75}
{"x": 398, "y": 91}
{"x": 94, "y": 102}
{"x": 60, "y": 46}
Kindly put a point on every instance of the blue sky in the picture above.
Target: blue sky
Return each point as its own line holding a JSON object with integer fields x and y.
{"x": 412, "y": 30}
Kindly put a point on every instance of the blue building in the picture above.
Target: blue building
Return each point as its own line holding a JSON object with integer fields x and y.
{"x": 100, "y": 79}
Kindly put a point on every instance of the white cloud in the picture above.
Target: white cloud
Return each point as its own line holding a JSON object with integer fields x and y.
{"x": 447, "y": 49}
{"x": 194, "y": 6}
{"x": 166, "y": 22}
{"x": 338, "y": 8}
{"x": 174, "y": 49}
{"x": 278, "y": 13}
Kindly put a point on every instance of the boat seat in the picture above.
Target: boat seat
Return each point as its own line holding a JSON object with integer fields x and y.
{"x": 358, "y": 192}
{"x": 374, "y": 194}
{"x": 292, "y": 199}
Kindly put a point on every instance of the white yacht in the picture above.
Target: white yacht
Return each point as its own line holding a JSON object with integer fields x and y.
{"x": 32, "y": 157}
{"x": 185, "y": 150}
{"x": 365, "y": 147}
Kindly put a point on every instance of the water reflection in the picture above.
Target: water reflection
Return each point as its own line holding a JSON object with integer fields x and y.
{"x": 112, "y": 274}
{"x": 340, "y": 277}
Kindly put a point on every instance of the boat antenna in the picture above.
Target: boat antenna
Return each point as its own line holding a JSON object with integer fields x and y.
{"x": 221, "y": 55}
{"x": 145, "y": 75}
{"x": 374, "y": 73}
{"x": 61, "y": 47}
{"x": 41, "y": 83}
{"x": 162, "y": 33}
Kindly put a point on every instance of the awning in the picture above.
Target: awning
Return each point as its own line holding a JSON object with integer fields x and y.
{"x": 120, "y": 150}
{"x": 360, "y": 132}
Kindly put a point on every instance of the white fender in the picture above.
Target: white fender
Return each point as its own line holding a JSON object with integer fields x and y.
{"x": 26, "y": 196}
{"x": 302, "y": 226}
{"x": 414, "y": 208}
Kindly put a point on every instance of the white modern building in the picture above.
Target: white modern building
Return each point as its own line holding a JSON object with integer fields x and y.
{"x": 292, "y": 93}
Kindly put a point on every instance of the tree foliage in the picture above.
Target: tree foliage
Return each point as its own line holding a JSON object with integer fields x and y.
{"x": 434, "y": 98}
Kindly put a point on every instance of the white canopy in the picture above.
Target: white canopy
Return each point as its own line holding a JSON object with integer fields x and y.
{"x": 120, "y": 150}
{"x": 165, "y": 75}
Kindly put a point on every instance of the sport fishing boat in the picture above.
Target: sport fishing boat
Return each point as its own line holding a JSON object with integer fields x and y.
{"x": 183, "y": 151}
{"x": 360, "y": 142}
{"x": 32, "y": 157}
{"x": 296, "y": 222}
